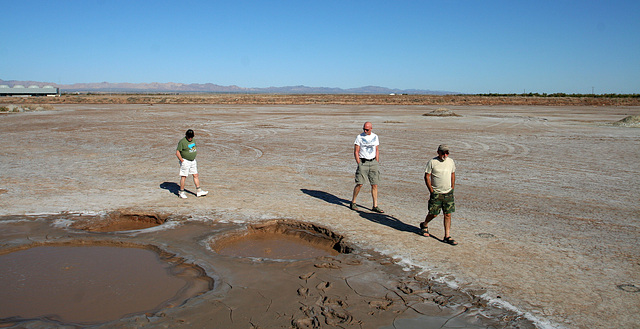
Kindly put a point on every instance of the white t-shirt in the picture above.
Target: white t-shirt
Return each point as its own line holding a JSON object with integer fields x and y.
{"x": 441, "y": 174}
{"x": 368, "y": 144}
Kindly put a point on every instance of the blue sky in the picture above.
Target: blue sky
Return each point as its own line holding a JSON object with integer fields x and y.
{"x": 463, "y": 46}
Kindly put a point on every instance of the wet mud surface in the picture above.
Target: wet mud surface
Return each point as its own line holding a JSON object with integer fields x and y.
{"x": 278, "y": 240}
{"x": 89, "y": 284}
{"x": 357, "y": 289}
{"x": 547, "y": 208}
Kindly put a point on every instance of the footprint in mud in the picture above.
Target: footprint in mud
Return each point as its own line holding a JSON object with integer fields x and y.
{"x": 307, "y": 276}
{"x": 334, "y": 311}
{"x": 381, "y": 304}
{"x": 353, "y": 262}
{"x": 336, "y": 318}
{"x": 328, "y": 301}
{"x": 323, "y": 286}
{"x": 303, "y": 292}
{"x": 327, "y": 265}
{"x": 306, "y": 323}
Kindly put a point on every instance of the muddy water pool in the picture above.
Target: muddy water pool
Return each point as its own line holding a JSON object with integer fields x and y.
{"x": 86, "y": 284}
{"x": 273, "y": 246}
{"x": 191, "y": 272}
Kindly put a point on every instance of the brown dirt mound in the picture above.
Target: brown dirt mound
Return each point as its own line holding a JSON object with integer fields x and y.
{"x": 121, "y": 220}
{"x": 630, "y": 121}
{"x": 311, "y": 234}
{"x": 442, "y": 112}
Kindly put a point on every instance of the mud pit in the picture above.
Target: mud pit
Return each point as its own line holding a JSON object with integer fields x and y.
{"x": 280, "y": 240}
{"x": 79, "y": 284}
{"x": 118, "y": 221}
{"x": 353, "y": 290}
{"x": 546, "y": 197}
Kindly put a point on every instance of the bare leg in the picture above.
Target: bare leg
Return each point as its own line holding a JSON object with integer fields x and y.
{"x": 196, "y": 180}
{"x": 447, "y": 225}
{"x": 423, "y": 225}
{"x": 356, "y": 190}
{"x": 182, "y": 180}
{"x": 429, "y": 218}
{"x": 374, "y": 194}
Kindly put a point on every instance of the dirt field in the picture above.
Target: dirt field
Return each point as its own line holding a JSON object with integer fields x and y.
{"x": 547, "y": 197}
{"x": 303, "y": 99}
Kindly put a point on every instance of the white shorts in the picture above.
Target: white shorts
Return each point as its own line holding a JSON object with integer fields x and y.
{"x": 188, "y": 167}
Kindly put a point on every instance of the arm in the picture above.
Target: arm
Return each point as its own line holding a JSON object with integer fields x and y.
{"x": 179, "y": 156}
{"x": 427, "y": 180}
{"x": 356, "y": 153}
{"x": 378, "y": 153}
{"x": 453, "y": 180}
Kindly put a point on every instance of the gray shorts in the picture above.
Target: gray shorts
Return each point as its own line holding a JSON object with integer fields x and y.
{"x": 368, "y": 171}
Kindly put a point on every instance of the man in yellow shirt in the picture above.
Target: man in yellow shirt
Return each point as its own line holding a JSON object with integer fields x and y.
{"x": 440, "y": 177}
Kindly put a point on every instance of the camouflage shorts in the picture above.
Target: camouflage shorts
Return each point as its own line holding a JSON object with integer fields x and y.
{"x": 442, "y": 201}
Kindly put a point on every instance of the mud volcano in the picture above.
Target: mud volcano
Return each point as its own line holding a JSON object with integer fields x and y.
{"x": 73, "y": 283}
{"x": 121, "y": 221}
{"x": 441, "y": 112}
{"x": 281, "y": 239}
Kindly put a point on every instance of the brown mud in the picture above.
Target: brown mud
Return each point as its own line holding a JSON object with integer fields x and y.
{"x": 120, "y": 221}
{"x": 360, "y": 289}
{"x": 281, "y": 239}
{"x": 82, "y": 283}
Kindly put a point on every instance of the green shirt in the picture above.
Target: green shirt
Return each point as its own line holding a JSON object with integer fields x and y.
{"x": 187, "y": 149}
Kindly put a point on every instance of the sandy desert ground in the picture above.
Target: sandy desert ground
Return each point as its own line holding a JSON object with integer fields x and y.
{"x": 547, "y": 197}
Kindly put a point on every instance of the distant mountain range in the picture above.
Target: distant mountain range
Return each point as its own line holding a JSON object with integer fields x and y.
{"x": 172, "y": 87}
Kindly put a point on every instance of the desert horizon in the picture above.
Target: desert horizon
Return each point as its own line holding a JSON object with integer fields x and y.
{"x": 337, "y": 99}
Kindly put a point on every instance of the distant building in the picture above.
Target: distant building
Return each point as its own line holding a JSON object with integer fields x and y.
{"x": 19, "y": 90}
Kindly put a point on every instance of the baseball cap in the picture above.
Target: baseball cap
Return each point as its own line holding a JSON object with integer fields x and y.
{"x": 443, "y": 148}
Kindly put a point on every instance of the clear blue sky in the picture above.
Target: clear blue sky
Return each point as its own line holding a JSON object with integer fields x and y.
{"x": 464, "y": 46}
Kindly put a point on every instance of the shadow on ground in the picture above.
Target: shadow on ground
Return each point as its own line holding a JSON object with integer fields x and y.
{"x": 382, "y": 219}
{"x": 174, "y": 188}
{"x": 171, "y": 187}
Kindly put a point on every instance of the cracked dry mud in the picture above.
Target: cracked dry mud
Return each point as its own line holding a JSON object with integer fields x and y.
{"x": 547, "y": 208}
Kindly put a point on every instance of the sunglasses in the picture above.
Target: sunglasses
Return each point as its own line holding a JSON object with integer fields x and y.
{"x": 366, "y": 129}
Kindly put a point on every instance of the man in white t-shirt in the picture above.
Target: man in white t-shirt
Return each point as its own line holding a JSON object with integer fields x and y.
{"x": 440, "y": 177}
{"x": 366, "y": 151}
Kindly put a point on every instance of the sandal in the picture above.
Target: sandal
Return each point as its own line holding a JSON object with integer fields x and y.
{"x": 450, "y": 241}
{"x": 378, "y": 210}
{"x": 353, "y": 206}
{"x": 424, "y": 230}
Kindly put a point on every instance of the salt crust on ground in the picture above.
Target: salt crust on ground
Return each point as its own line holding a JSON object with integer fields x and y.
{"x": 541, "y": 222}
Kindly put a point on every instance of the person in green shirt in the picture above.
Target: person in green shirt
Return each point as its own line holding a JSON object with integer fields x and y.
{"x": 186, "y": 153}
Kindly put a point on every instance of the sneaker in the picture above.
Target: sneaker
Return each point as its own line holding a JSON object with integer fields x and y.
{"x": 182, "y": 194}
{"x": 353, "y": 206}
{"x": 202, "y": 193}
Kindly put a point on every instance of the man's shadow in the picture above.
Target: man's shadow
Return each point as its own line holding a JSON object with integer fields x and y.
{"x": 377, "y": 218}
{"x": 173, "y": 187}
